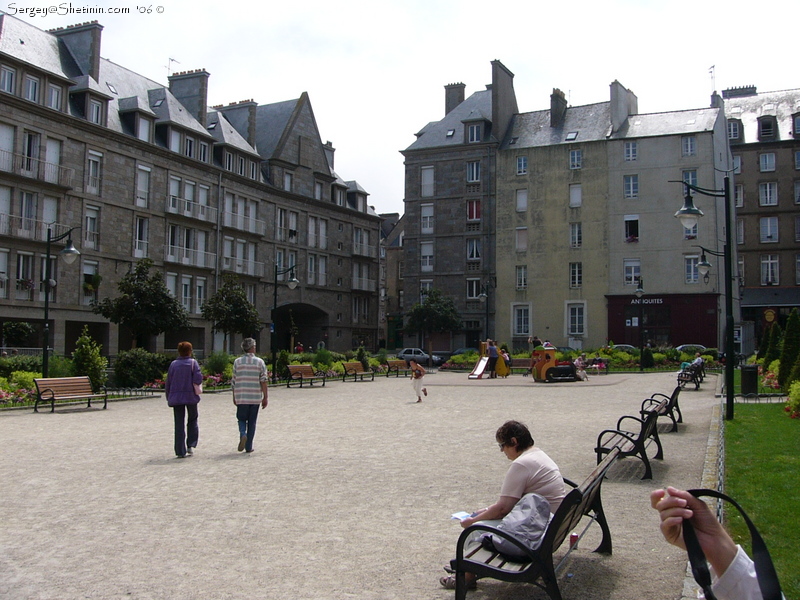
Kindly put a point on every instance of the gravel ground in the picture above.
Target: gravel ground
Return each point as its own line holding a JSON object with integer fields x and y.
{"x": 347, "y": 495}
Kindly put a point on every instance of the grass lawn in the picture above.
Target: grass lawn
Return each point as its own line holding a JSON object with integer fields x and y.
{"x": 762, "y": 473}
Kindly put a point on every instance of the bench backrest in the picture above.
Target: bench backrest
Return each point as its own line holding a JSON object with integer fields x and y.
{"x": 302, "y": 370}
{"x": 649, "y": 422}
{"x": 395, "y": 364}
{"x": 64, "y": 386}
{"x": 673, "y": 399}
{"x": 576, "y": 503}
{"x": 350, "y": 367}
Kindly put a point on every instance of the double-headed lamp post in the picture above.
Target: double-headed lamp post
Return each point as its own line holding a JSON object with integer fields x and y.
{"x": 688, "y": 216}
{"x": 69, "y": 254}
{"x": 639, "y": 293}
{"x": 291, "y": 284}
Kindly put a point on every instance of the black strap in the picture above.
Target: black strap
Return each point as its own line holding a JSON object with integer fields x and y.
{"x": 765, "y": 571}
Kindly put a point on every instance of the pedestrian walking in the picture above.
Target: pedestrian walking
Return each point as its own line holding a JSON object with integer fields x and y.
{"x": 249, "y": 385}
{"x": 417, "y": 373}
{"x": 182, "y": 388}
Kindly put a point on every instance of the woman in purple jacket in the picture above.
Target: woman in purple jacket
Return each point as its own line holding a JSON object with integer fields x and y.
{"x": 184, "y": 373}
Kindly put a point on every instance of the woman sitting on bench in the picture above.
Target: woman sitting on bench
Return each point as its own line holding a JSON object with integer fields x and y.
{"x": 531, "y": 471}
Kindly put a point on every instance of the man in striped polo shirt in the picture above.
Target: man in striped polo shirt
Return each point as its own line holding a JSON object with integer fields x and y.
{"x": 249, "y": 390}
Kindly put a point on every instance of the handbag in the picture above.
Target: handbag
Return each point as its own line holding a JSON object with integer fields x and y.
{"x": 198, "y": 388}
{"x": 765, "y": 571}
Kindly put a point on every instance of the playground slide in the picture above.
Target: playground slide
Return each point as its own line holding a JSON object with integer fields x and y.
{"x": 480, "y": 367}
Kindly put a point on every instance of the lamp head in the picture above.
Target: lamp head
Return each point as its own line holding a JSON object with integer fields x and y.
{"x": 703, "y": 267}
{"x": 689, "y": 214}
{"x": 293, "y": 282}
{"x": 639, "y": 289}
{"x": 70, "y": 253}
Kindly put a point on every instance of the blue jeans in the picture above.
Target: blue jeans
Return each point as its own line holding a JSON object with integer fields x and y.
{"x": 185, "y": 436}
{"x": 247, "y": 415}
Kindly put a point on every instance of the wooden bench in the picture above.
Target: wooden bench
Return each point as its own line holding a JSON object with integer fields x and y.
{"x": 396, "y": 367}
{"x": 598, "y": 366}
{"x": 51, "y": 389}
{"x": 520, "y": 364}
{"x": 356, "y": 369}
{"x": 632, "y": 443}
{"x": 691, "y": 374}
{"x": 581, "y": 501}
{"x": 665, "y": 406}
{"x": 304, "y": 373}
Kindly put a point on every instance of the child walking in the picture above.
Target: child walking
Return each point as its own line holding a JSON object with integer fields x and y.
{"x": 417, "y": 373}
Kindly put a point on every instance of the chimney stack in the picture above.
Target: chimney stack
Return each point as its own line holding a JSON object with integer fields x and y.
{"x": 242, "y": 115}
{"x": 191, "y": 90}
{"x": 558, "y": 108}
{"x": 83, "y": 42}
{"x": 453, "y": 96}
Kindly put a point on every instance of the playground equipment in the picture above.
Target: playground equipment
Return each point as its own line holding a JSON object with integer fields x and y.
{"x": 545, "y": 367}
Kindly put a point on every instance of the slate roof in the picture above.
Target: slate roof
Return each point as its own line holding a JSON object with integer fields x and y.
{"x": 781, "y": 104}
{"x": 434, "y": 134}
{"x": 668, "y": 123}
{"x": 271, "y": 122}
{"x": 224, "y": 133}
{"x": 29, "y": 44}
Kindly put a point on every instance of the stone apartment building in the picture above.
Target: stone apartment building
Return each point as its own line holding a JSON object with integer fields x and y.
{"x": 141, "y": 170}
{"x": 764, "y": 136}
{"x": 542, "y": 223}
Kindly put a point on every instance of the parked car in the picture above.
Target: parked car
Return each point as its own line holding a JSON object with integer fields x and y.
{"x": 690, "y": 348}
{"x": 625, "y": 348}
{"x": 418, "y": 355}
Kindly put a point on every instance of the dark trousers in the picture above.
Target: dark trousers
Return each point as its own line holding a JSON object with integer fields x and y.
{"x": 247, "y": 414}
{"x": 188, "y": 435}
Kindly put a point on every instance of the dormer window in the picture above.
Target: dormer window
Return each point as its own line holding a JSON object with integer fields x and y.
{"x": 474, "y": 132}
{"x": 7, "y": 79}
{"x": 766, "y": 128}
{"x": 188, "y": 147}
{"x": 143, "y": 128}
{"x": 96, "y": 111}
{"x": 796, "y": 126}
{"x": 31, "y": 90}
{"x": 54, "y": 95}
{"x": 734, "y": 129}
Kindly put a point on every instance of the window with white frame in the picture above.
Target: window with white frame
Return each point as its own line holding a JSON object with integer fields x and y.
{"x": 575, "y": 235}
{"x": 293, "y": 228}
{"x": 521, "y": 239}
{"x": 426, "y": 188}
{"x": 426, "y": 217}
{"x": 691, "y": 272}
{"x": 575, "y": 159}
{"x": 522, "y": 165}
{"x": 171, "y": 281}
{"x": 522, "y": 277}
{"x": 312, "y": 269}
{"x": 769, "y": 269}
{"x": 186, "y": 292}
{"x": 522, "y": 200}
{"x": 91, "y": 224}
{"x": 426, "y": 256}
{"x": 30, "y": 151}
{"x": 473, "y": 210}
{"x": 766, "y": 162}
{"x": 733, "y": 130}
{"x": 188, "y": 147}
{"x": 522, "y": 319}
{"x": 425, "y": 287}
{"x": 738, "y": 195}
{"x": 322, "y": 270}
{"x": 142, "y": 185}
{"x": 473, "y": 249}
{"x": 630, "y": 186}
{"x": 737, "y": 165}
{"x": 4, "y": 283}
{"x": 740, "y": 231}
{"x": 797, "y": 192}
{"x": 631, "y": 151}
{"x": 8, "y": 78}
{"x": 288, "y": 179}
{"x": 317, "y": 190}
{"x": 740, "y": 269}
{"x": 143, "y": 128}
{"x": 797, "y": 229}
{"x": 175, "y": 140}
{"x": 688, "y": 145}
{"x": 473, "y": 171}
{"x": 768, "y": 193}
{"x": 473, "y": 289}
{"x": 766, "y": 127}
{"x": 768, "y": 227}
{"x": 228, "y": 161}
{"x": 576, "y": 325}
{"x": 690, "y": 233}
{"x": 474, "y": 132}
{"x": 575, "y": 275}
{"x": 30, "y": 90}
{"x": 323, "y": 234}
{"x": 199, "y": 294}
{"x": 54, "y": 95}
{"x": 242, "y": 166}
{"x": 631, "y": 269}
{"x": 575, "y": 195}
{"x": 631, "y": 228}
{"x": 797, "y": 159}
{"x": 690, "y": 176}
{"x": 140, "y": 237}
{"x": 96, "y": 112}
{"x": 94, "y": 172}
{"x": 91, "y": 270}
{"x": 202, "y": 153}
{"x": 311, "y": 239}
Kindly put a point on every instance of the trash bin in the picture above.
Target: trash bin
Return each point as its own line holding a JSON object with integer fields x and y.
{"x": 749, "y": 379}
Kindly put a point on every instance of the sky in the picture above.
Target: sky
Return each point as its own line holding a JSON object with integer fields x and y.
{"x": 375, "y": 70}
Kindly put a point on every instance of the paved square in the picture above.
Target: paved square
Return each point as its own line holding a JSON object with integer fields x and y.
{"x": 347, "y": 495}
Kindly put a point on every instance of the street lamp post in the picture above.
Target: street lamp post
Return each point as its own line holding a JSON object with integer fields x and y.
{"x": 292, "y": 283}
{"x": 490, "y": 283}
{"x": 688, "y": 216}
{"x": 69, "y": 254}
{"x": 639, "y": 293}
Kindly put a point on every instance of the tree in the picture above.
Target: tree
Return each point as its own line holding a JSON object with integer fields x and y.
{"x": 87, "y": 360}
{"x": 230, "y": 311}
{"x": 145, "y": 306}
{"x": 790, "y": 350}
{"x": 16, "y": 333}
{"x": 436, "y": 314}
{"x": 774, "y": 346}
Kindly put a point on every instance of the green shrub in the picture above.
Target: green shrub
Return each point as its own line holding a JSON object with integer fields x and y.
{"x": 4, "y": 385}
{"x": 647, "y": 358}
{"x": 60, "y": 366}
{"x": 383, "y": 356}
{"x": 361, "y": 356}
{"x": 323, "y": 357}
{"x": 793, "y": 402}
{"x": 282, "y": 365}
{"x": 21, "y": 362}
{"x": 136, "y": 367}
{"x": 217, "y": 362}
{"x": 24, "y": 379}
{"x": 87, "y": 360}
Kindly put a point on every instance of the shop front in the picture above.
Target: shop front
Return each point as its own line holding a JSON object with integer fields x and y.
{"x": 665, "y": 319}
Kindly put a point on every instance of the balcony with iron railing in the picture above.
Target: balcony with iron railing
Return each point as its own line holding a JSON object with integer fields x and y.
{"x": 243, "y": 267}
{"x": 364, "y": 284}
{"x": 29, "y": 229}
{"x": 243, "y": 223}
{"x": 34, "y": 168}
{"x": 364, "y": 250}
{"x": 191, "y": 209}
{"x": 189, "y": 257}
